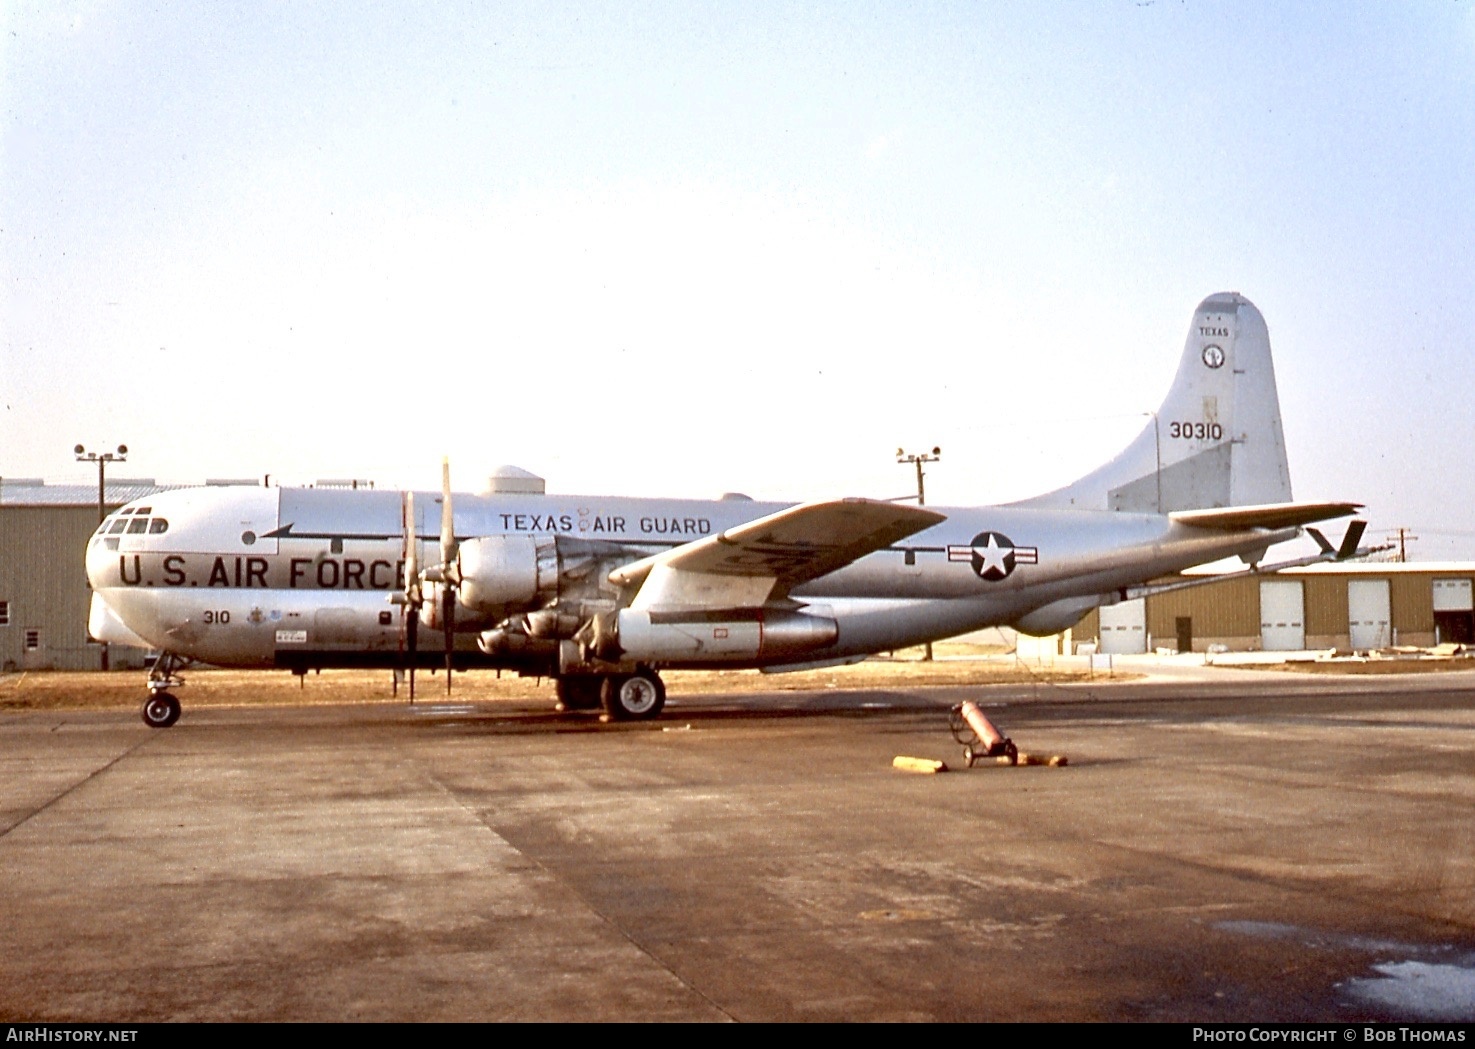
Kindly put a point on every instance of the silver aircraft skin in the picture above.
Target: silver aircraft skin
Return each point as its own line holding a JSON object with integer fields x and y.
{"x": 601, "y": 593}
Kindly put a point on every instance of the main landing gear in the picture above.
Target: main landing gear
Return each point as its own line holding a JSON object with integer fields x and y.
{"x": 624, "y": 697}
{"x": 161, "y": 709}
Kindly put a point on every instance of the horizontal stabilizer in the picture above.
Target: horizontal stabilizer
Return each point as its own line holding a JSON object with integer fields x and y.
{"x": 1270, "y": 515}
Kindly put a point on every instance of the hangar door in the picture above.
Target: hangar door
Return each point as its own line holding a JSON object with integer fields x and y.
{"x": 1282, "y": 616}
{"x": 1369, "y": 622}
{"x": 1124, "y": 628}
{"x": 1454, "y": 612}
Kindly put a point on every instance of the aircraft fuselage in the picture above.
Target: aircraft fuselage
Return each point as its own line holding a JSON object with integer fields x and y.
{"x": 305, "y": 577}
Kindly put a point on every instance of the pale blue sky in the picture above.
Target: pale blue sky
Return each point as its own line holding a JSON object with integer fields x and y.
{"x": 679, "y": 249}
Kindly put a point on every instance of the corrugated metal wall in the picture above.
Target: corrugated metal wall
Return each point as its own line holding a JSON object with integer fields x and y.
{"x": 1326, "y": 605}
{"x": 1227, "y": 609}
{"x": 43, "y": 579}
{"x": 1228, "y": 612}
{"x": 1412, "y": 597}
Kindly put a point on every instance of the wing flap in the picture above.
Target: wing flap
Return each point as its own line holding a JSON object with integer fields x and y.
{"x": 1269, "y": 515}
{"x": 759, "y": 562}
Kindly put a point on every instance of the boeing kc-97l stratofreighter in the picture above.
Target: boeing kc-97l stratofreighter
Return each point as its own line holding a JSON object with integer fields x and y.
{"x": 602, "y": 593}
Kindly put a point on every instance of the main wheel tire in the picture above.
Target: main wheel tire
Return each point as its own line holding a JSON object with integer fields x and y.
{"x": 579, "y": 692}
{"x": 633, "y": 697}
{"x": 160, "y": 710}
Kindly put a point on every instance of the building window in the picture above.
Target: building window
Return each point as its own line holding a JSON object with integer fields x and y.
{"x": 4, "y": 613}
{"x": 33, "y": 640}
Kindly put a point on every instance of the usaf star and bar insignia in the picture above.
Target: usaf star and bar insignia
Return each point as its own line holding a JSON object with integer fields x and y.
{"x": 994, "y": 555}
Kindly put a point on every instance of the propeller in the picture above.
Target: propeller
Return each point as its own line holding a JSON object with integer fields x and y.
{"x": 445, "y": 578}
{"x": 450, "y": 574}
{"x": 413, "y": 597}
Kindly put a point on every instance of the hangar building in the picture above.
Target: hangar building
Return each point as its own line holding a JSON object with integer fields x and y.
{"x": 44, "y": 596}
{"x": 1355, "y": 607}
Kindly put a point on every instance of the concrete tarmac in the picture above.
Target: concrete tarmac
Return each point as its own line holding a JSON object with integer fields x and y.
{"x": 1222, "y": 846}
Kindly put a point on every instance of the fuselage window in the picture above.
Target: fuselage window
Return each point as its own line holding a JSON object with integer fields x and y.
{"x": 138, "y": 526}
{"x": 158, "y": 526}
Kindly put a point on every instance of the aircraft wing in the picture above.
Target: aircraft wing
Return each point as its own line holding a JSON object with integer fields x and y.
{"x": 756, "y": 563}
{"x": 1270, "y": 515}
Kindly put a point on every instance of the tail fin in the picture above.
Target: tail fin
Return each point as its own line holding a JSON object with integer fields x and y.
{"x": 1216, "y": 441}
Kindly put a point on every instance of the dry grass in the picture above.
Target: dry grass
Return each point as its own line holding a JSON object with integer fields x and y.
{"x": 1378, "y": 666}
{"x": 957, "y": 664}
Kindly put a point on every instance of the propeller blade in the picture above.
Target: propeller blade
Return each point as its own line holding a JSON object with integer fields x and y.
{"x": 447, "y": 518}
{"x": 412, "y": 553}
{"x": 410, "y": 609}
{"x": 412, "y": 643}
{"x": 449, "y": 626}
{"x": 449, "y": 574}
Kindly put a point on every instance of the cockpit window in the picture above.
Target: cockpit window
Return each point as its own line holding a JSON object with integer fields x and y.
{"x": 143, "y": 511}
{"x": 138, "y": 526}
{"x": 158, "y": 526}
{"x": 118, "y": 526}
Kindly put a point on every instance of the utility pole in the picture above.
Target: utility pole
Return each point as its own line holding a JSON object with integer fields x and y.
{"x": 1404, "y": 536}
{"x": 102, "y": 459}
{"x": 917, "y": 459}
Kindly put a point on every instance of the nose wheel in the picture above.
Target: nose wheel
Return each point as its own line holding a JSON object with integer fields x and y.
{"x": 160, "y": 710}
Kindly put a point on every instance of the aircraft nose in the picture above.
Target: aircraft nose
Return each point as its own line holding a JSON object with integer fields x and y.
{"x": 99, "y": 557}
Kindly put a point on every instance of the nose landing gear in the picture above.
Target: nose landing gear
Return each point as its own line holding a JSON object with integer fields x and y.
{"x": 161, "y": 709}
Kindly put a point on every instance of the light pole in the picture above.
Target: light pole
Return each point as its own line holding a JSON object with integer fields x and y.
{"x": 917, "y": 459}
{"x": 102, "y": 459}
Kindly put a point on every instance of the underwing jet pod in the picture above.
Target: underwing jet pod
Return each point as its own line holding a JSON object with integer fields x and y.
{"x": 601, "y": 593}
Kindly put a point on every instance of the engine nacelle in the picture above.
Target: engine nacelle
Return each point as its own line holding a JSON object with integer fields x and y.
{"x": 509, "y": 641}
{"x": 1055, "y": 617}
{"x": 692, "y": 637}
{"x": 503, "y": 574}
{"x": 432, "y": 610}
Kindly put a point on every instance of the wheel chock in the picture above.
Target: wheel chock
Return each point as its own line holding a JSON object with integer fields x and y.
{"x": 924, "y": 765}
